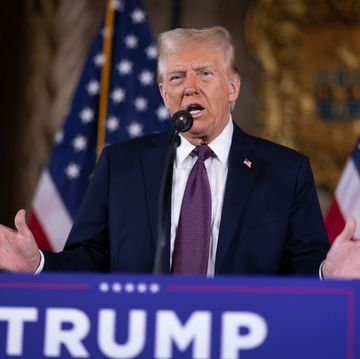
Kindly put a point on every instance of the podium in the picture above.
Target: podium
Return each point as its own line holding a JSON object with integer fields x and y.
{"x": 122, "y": 316}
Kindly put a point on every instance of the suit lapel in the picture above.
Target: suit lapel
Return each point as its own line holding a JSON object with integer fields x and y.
{"x": 153, "y": 164}
{"x": 243, "y": 170}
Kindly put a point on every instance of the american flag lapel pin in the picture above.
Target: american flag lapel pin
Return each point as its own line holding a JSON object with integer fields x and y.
{"x": 247, "y": 162}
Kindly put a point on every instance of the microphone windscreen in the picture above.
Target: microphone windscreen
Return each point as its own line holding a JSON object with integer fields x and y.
{"x": 182, "y": 121}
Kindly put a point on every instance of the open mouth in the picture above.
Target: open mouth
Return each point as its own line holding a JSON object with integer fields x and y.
{"x": 195, "y": 109}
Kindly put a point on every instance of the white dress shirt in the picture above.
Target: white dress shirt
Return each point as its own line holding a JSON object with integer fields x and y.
{"x": 217, "y": 170}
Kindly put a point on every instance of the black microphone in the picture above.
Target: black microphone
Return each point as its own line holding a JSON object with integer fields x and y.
{"x": 181, "y": 122}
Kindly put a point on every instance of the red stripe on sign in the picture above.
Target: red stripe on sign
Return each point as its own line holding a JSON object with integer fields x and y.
{"x": 334, "y": 221}
{"x": 39, "y": 234}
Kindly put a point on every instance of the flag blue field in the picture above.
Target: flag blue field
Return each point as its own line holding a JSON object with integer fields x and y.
{"x": 134, "y": 108}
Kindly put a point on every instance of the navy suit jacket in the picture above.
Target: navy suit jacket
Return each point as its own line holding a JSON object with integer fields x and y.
{"x": 271, "y": 221}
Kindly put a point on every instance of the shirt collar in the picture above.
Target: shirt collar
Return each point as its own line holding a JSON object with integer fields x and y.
{"x": 220, "y": 146}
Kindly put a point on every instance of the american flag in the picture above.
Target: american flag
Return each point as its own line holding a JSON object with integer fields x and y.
{"x": 247, "y": 163}
{"x": 134, "y": 109}
{"x": 346, "y": 200}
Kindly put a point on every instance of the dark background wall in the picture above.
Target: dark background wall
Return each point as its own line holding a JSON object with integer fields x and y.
{"x": 11, "y": 77}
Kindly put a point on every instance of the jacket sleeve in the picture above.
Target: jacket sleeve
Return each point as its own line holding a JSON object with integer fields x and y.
{"x": 307, "y": 242}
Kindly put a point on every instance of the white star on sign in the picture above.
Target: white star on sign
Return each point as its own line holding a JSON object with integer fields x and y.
{"x": 135, "y": 129}
{"x": 72, "y": 170}
{"x": 112, "y": 123}
{"x": 104, "y": 287}
{"x": 146, "y": 77}
{"x": 116, "y": 287}
{"x": 59, "y": 136}
{"x": 137, "y": 16}
{"x": 131, "y": 41}
{"x": 86, "y": 115}
{"x": 79, "y": 143}
{"x": 93, "y": 87}
{"x": 162, "y": 113}
{"x": 141, "y": 103}
{"x": 99, "y": 59}
{"x": 124, "y": 67}
{"x": 142, "y": 287}
{"x": 117, "y": 95}
{"x": 151, "y": 52}
{"x": 154, "y": 288}
{"x": 129, "y": 287}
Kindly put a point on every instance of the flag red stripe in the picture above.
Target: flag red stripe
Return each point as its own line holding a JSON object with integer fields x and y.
{"x": 334, "y": 221}
{"x": 39, "y": 234}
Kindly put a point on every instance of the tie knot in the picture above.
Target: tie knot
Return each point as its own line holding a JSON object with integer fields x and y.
{"x": 203, "y": 152}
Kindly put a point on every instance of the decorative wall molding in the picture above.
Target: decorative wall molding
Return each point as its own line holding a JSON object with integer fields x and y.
{"x": 310, "y": 88}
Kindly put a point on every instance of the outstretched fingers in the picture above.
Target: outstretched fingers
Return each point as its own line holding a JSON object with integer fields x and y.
{"x": 18, "y": 249}
{"x": 348, "y": 231}
{"x": 21, "y": 225}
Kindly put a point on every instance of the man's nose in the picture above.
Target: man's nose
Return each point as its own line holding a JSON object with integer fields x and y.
{"x": 191, "y": 85}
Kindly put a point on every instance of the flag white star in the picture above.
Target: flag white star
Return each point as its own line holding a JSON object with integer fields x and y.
{"x": 146, "y": 77}
{"x": 59, "y": 136}
{"x": 151, "y": 52}
{"x": 79, "y": 143}
{"x": 112, "y": 123}
{"x": 117, "y": 95}
{"x": 86, "y": 115}
{"x": 135, "y": 129}
{"x": 117, "y": 5}
{"x": 104, "y": 32}
{"x": 72, "y": 170}
{"x": 124, "y": 67}
{"x": 162, "y": 113}
{"x": 137, "y": 16}
{"x": 141, "y": 104}
{"x": 99, "y": 59}
{"x": 93, "y": 87}
{"x": 131, "y": 41}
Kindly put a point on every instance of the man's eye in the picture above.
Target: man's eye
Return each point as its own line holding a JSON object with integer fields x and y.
{"x": 175, "y": 77}
{"x": 205, "y": 73}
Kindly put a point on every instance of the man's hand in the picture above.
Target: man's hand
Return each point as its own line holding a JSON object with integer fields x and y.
{"x": 343, "y": 258}
{"x": 18, "y": 249}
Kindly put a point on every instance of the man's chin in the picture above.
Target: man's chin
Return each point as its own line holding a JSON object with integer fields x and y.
{"x": 196, "y": 136}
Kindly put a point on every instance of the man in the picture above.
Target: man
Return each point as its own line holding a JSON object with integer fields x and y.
{"x": 264, "y": 214}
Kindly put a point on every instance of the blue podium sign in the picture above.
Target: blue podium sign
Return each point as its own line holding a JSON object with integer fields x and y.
{"x": 116, "y": 316}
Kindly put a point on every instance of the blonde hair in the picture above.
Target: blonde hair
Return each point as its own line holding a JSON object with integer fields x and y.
{"x": 216, "y": 36}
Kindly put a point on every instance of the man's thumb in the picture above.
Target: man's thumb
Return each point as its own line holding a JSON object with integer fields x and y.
{"x": 20, "y": 224}
{"x": 349, "y": 230}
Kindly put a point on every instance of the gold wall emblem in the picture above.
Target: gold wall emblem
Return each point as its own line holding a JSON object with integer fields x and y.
{"x": 310, "y": 55}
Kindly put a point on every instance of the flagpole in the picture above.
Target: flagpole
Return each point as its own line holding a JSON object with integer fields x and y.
{"x": 105, "y": 76}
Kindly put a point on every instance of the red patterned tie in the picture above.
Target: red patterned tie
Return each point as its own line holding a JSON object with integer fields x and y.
{"x": 191, "y": 252}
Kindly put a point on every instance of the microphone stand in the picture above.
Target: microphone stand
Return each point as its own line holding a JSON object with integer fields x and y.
{"x": 165, "y": 201}
{"x": 182, "y": 121}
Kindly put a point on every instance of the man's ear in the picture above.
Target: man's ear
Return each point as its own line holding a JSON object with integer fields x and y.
{"x": 162, "y": 92}
{"x": 234, "y": 87}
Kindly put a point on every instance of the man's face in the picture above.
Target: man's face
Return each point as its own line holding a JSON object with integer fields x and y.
{"x": 195, "y": 79}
